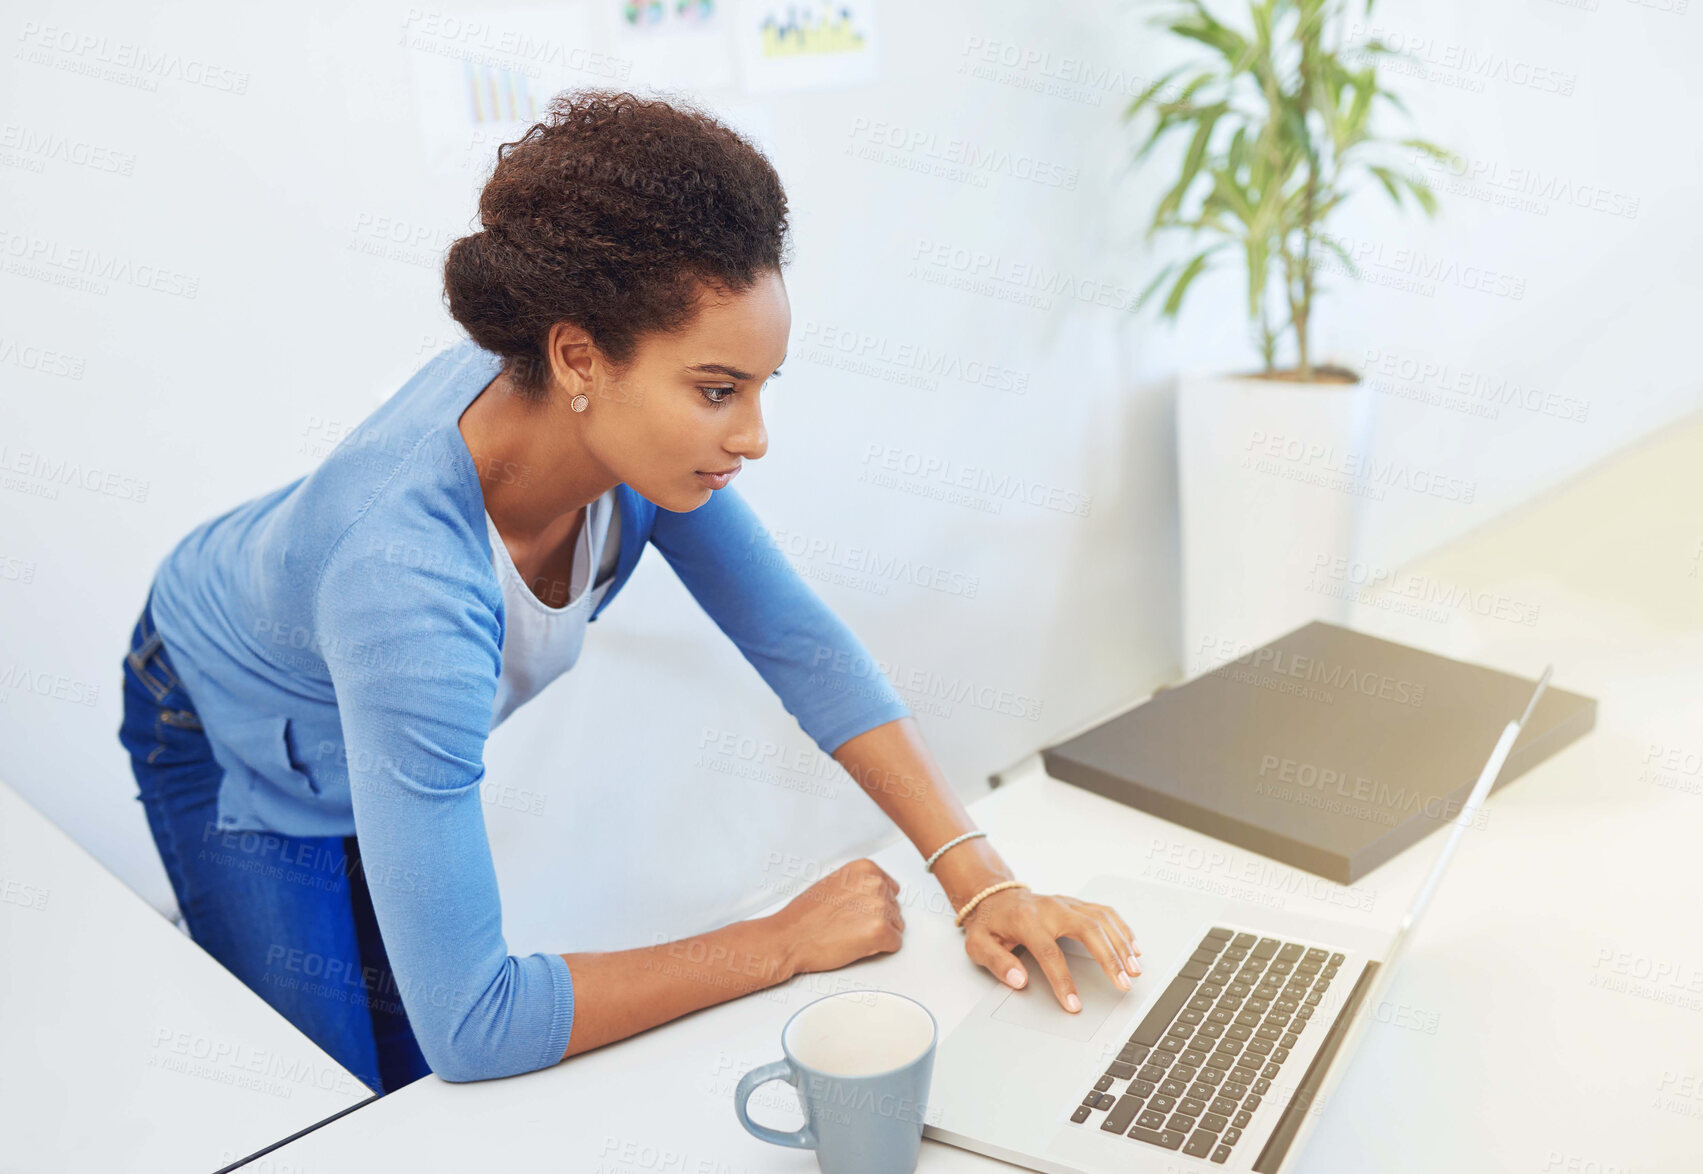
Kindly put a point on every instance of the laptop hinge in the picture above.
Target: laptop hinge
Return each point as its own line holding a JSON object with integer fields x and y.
{"x": 1277, "y": 1145}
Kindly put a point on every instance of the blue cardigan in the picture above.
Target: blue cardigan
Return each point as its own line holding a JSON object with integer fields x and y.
{"x": 341, "y": 639}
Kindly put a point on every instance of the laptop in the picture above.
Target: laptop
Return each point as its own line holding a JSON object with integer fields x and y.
{"x": 1217, "y": 1058}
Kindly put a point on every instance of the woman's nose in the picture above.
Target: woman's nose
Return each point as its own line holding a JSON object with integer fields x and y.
{"x": 750, "y": 440}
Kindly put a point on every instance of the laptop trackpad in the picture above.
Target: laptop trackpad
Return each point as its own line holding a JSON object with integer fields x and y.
{"x": 1037, "y": 1007}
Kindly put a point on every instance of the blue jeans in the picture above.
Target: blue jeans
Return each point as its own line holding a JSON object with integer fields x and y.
{"x": 290, "y": 916}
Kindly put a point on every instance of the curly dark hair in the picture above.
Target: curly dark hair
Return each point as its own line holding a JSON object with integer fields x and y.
{"x": 614, "y": 213}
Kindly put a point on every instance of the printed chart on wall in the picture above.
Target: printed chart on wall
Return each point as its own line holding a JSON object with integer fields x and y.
{"x": 676, "y": 44}
{"x": 482, "y": 77}
{"x": 807, "y": 46}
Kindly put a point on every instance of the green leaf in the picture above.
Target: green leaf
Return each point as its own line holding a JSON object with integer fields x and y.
{"x": 1147, "y": 290}
{"x": 1202, "y": 26}
{"x": 1392, "y": 182}
{"x": 1256, "y": 252}
{"x": 1423, "y": 194}
{"x": 1426, "y": 147}
{"x": 1364, "y": 89}
{"x": 1141, "y": 100}
{"x": 1233, "y": 197}
{"x": 1196, "y": 265}
{"x": 1348, "y": 262}
{"x": 1262, "y": 14}
{"x": 1235, "y": 158}
{"x": 1191, "y": 163}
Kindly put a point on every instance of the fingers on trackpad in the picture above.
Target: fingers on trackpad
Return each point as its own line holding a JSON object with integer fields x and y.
{"x": 1036, "y": 1006}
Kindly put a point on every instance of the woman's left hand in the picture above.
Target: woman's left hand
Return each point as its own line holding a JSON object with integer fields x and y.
{"x": 1017, "y": 917}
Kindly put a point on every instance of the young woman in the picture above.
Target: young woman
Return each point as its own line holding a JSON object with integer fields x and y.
{"x": 315, "y": 671}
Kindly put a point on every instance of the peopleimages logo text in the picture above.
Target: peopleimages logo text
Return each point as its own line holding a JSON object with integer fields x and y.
{"x": 1318, "y": 671}
{"x": 921, "y": 682}
{"x": 1361, "y": 467}
{"x": 1007, "y": 486}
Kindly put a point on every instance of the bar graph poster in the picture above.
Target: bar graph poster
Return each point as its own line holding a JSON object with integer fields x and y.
{"x": 806, "y": 45}
{"x": 481, "y": 78}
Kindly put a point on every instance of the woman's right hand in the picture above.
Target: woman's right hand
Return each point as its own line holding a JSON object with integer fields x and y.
{"x": 851, "y": 913}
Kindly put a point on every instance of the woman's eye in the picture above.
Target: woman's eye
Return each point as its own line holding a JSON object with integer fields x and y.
{"x": 718, "y": 395}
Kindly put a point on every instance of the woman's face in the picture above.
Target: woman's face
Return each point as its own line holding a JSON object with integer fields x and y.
{"x": 686, "y": 405}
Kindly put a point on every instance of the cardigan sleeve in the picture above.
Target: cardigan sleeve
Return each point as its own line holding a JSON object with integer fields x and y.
{"x": 821, "y": 672}
{"x": 414, "y": 652}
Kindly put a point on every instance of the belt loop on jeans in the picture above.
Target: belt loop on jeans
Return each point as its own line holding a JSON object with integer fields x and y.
{"x": 139, "y": 658}
{"x": 140, "y": 654}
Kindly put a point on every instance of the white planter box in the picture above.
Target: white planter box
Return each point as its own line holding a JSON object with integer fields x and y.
{"x": 1264, "y": 504}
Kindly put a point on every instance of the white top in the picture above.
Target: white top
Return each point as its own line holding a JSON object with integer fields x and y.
{"x": 541, "y": 642}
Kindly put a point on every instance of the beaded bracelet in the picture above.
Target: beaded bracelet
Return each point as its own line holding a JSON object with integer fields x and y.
{"x": 977, "y": 899}
{"x": 928, "y": 866}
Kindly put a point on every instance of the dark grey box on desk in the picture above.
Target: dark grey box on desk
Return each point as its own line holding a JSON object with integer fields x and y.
{"x": 1326, "y": 749}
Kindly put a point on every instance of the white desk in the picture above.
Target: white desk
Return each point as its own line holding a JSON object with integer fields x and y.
{"x": 123, "y": 1045}
{"x": 1502, "y": 1044}
{"x": 1550, "y": 1054}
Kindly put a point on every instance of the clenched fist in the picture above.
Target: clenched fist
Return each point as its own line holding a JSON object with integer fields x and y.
{"x": 851, "y": 913}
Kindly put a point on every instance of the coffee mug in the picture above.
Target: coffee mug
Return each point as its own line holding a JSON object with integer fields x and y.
{"x": 861, "y": 1062}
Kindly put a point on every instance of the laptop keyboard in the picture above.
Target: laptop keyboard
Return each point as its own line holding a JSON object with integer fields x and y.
{"x": 1204, "y": 1058}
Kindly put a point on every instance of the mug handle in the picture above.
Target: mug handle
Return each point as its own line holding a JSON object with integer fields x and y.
{"x": 778, "y": 1070}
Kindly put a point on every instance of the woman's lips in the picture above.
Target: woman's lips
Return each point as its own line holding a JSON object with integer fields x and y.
{"x": 718, "y": 480}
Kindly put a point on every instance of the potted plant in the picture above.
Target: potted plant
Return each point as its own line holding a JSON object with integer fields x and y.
{"x": 1279, "y": 123}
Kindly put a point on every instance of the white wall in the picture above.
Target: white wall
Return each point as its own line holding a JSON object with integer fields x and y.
{"x": 1575, "y": 119}
{"x": 614, "y": 813}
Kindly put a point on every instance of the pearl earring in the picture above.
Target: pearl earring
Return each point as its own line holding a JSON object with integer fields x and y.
{"x": 579, "y": 402}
